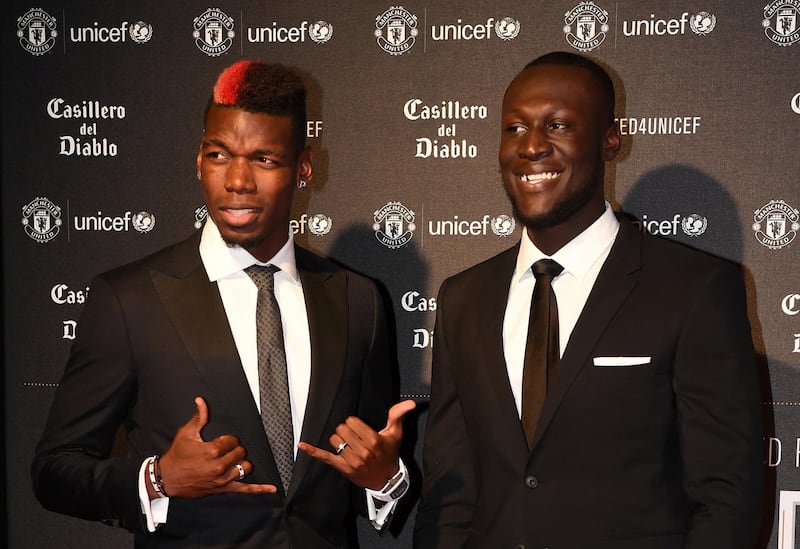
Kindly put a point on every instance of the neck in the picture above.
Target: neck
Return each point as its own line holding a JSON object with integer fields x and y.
{"x": 551, "y": 239}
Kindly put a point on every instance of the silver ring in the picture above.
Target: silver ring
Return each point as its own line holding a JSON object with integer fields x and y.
{"x": 341, "y": 447}
{"x": 239, "y": 468}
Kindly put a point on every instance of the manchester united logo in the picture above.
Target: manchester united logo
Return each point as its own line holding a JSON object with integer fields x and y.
{"x": 776, "y": 224}
{"x": 41, "y": 219}
{"x": 396, "y": 30}
{"x": 394, "y": 225}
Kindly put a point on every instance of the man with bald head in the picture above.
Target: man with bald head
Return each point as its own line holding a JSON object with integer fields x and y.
{"x": 593, "y": 387}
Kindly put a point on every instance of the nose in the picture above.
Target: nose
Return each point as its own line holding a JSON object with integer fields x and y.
{"x": 535, "y": 144}
{"x": 239, "y": 177}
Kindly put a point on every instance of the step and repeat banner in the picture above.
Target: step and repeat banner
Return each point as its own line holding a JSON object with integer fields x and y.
{"x": 102, "y": 107}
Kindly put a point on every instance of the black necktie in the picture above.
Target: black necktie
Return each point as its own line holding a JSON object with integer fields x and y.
{"x": 541, "y": 350}
{"x": 273, "y": 382}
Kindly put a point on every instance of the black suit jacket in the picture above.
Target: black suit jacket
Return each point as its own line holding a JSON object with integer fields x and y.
{"x": 153, "y": 335}
{"x": 659, "y": 455}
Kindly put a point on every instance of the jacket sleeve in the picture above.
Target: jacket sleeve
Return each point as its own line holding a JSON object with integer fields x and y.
{"x": 74, "y": 471}
{"x": 445, "y": 511}
{"x": 717, "y": 401}
{"x": 379, "y": 372}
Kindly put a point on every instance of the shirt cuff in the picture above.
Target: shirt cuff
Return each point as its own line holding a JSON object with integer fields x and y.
{"x": 382, "y": 503}
{"x": 155, "y": 511}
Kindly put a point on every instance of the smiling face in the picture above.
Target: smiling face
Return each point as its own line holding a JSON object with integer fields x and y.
{"x": 249, "y": 169}
{"x": 555, "y": 138}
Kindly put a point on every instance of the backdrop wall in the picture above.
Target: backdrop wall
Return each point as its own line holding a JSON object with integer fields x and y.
{"x": 101, "y": 118}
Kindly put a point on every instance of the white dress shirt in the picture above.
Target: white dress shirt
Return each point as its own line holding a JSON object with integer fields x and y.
{"x": 582, "y": 258}
{"x": 225, "y": 265}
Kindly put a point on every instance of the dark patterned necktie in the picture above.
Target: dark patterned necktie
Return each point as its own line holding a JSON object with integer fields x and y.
{"x": 541, "y": 350}
{"x": 273, "y": 382}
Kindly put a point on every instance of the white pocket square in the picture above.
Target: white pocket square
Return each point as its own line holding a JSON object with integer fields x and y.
{"x": 621, "y": 360}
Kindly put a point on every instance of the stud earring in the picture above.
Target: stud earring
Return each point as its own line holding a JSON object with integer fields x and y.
{"x": 199, "y": 176}
{"x": 301, "y": 183}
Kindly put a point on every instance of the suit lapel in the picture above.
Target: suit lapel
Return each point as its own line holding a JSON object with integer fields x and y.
{"x": 196, "y": 310}
{"x": 325, "y": 295}
{"x": 614, "y": 283}
{"x": 494, "y": 377}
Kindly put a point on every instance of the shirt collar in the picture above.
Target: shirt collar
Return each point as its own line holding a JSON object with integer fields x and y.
{"x": 579, "y": 254}
{"x": 222, "y": 261}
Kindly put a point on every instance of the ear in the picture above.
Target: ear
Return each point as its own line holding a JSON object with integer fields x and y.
{"x": 305, "y": 164}
{"x": 611, "y": 142}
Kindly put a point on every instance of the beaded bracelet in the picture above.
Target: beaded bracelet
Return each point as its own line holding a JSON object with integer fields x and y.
{"x": 154, "y": 471}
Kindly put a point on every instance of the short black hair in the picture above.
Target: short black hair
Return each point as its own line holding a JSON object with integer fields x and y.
{"x": 598, "y": 73}
{"x": 264, "y": 88}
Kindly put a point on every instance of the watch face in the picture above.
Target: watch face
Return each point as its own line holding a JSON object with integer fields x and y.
{"x": 400, "y": 490}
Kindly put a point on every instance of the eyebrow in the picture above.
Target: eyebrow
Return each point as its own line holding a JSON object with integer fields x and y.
{"x": 257, "y": 152}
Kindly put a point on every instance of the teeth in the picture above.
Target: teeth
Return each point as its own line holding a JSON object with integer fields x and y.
{"x": 539, "y": 176}
{"x": 243, "y": 211}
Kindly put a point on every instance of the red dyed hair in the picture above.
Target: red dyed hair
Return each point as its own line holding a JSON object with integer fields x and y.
{"x": 230, "y": 83}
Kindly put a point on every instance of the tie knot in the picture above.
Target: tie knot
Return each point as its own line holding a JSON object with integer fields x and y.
{"x": 263, "y": 276}
{"x": 546, "y": 267}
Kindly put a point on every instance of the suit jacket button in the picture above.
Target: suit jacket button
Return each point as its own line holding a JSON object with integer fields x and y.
{"x": 531, "y": 482}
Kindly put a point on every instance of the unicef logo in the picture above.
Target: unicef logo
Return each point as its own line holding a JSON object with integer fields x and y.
{"x": 320, "y": 224}
{"x": 506, "y": 28}
{"x": 320, "y": 32}
{"x": 503, "y": 225}
{"x": 41, "y": 219}
{"x": 694, "y": 225}
{"x": 143, "y": 222}
{"x": 702, "y": 23}
{"x": 36, "y": 31}
{"x": 141, "y": 32}
{"x": 396, "y": 30}
{"x": 585, "y": 26}
{"x": 394, "y": 225}
{"x": 213, "y": 32}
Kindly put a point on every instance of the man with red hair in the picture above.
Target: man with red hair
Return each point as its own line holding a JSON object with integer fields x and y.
{"x": 271, "y": 353}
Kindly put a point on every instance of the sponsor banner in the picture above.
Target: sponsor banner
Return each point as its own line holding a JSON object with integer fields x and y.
{"x": 37, "y": 31}
{"x": 701, "y": 23}
{"x": 659, "y": 125}
{"x": 396, "y": 30}
{"x": 318, "y": 32}
{"x": 780, "y": 22}
{"x": 213, "y": 32}
{"x": 41, "y": 219}
{"x": 692, "y": 225}
{"x": 775, "y": 224}
{"x": 87, "y": 114}
{"x": 586, "y": 26}
{"x": 445, "y": 114}
{"x": 394, "y": 225}
{"x": 504, "y": 28}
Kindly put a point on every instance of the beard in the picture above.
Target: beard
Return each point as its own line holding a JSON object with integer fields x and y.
{"x": 233, "y": 240}
{"x": 245, "y": 243}
{"x": 560, "y": 213}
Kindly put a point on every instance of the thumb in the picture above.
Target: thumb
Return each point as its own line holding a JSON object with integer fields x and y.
{"x": 199, "y": 419}
{"x": 394, "y": 421}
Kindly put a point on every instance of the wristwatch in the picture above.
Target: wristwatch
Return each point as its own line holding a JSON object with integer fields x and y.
{"x": 396, "y": 486}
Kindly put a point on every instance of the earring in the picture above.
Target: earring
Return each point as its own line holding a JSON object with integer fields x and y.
{"x": 199, "y": 175}
{"x": 301, "y": 183}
